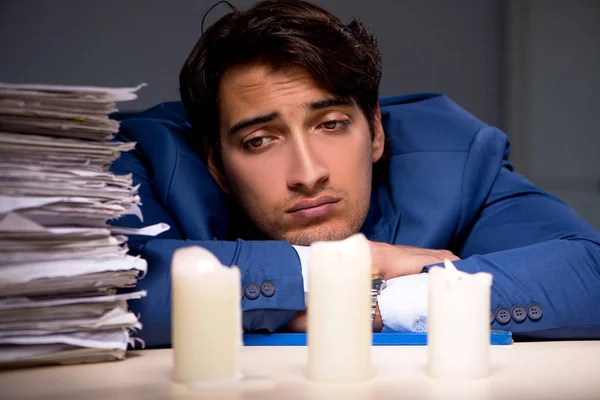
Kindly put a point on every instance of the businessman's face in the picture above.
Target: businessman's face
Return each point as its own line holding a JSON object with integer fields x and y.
{"x": 297, "y": 159}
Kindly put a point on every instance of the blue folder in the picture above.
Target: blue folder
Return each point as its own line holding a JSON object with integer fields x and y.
{"x": 379, "y": 339}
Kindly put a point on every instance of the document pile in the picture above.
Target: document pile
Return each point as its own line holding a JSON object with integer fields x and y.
{"x": 60, "y": 262}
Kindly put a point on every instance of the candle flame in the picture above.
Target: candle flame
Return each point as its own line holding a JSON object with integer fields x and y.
{"x": 205, "y": 266}
{"x": 449, "y": 266}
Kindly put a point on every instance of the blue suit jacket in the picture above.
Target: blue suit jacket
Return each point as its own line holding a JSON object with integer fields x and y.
{"x": 446, "y": 184}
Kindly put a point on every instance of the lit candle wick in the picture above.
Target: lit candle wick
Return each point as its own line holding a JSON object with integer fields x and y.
{"x": 449, "y": 266}
{"x": 452, "y": 270}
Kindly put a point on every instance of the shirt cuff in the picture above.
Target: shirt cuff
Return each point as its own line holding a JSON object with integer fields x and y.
{"x": 303, "y": 252}
{"x": 403, "y": 303}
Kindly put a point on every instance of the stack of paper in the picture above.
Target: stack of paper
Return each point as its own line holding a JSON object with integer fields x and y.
{"x": 61, "y": 264}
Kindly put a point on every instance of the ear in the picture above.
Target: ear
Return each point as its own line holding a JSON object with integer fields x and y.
{"x": 378, "y": 136}
{"x": 215, "y": 171}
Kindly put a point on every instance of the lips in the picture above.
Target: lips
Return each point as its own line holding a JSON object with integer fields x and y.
{"x": 305, "y": 206}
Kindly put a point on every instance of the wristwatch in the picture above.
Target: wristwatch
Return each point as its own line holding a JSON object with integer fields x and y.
{"x": 377, "y": 286}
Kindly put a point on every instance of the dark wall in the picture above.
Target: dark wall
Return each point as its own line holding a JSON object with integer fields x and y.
{"x": 427, "y": 45}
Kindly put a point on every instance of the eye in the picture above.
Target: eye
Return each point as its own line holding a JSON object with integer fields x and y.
{"x": 257, "y": 143}
{"x": 335, "y": 125}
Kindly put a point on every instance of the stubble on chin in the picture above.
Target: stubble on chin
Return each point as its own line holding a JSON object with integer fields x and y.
{"x": 273, "y": 226}
{"x": 325, "y": 230}
{"x": 319, "y": 234}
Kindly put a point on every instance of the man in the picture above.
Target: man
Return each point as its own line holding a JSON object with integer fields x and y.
{"x": 283, "y": 142}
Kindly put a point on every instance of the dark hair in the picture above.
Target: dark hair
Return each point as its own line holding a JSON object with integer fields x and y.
{"x": 344, "y": 59}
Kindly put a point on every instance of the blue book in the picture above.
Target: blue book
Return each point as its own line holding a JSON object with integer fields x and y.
{"x": 379, "y": 339}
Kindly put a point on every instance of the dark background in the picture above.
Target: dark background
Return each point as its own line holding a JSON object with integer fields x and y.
{"x": 530, "y": 67}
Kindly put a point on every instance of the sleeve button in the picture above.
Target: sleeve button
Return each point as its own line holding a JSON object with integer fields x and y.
{"x": 267, "y": 288}
{"x": 534, "y": 311}
{"x": 519, "y": 313}
{"x": 503, "y": 315}
{"x": 251, "y": 291}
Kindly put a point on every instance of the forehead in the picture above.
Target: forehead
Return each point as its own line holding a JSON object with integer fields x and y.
{"x": 247, "y": 90}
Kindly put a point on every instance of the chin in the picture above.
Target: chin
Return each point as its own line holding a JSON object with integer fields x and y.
{"x": 307, "y": 236}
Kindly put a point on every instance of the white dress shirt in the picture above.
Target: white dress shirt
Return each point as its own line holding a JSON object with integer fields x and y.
{"x": 403, "y": 304}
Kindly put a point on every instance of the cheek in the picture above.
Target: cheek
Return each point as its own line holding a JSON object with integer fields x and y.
{"x": 254, "y": 181}
{"x": 350, "y": 161}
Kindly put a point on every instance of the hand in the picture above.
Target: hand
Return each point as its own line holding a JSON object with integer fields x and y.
{"x": 298, "y": 323}
{"x": 391, "y": 261}
{"x": 377, "y": 321}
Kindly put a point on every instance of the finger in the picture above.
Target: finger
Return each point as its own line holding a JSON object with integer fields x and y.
{"x": 448, "y": 254}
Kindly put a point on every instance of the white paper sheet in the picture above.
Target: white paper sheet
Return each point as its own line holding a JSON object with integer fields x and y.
{"x": 152, "y": 230}
{"x": 113, "y": 319}
{"x": 101, "y": 283}
{"x": 23, "y": 273}
{"x": 24, "y": 302}
{"x": 60, "y": 263}
{"x": 50, "y": 354}
{"x": 115, "y": 94}
{"x": 14, "y": 222}
{"x": 69, "y": 311}
{"x": 110, "y": 339}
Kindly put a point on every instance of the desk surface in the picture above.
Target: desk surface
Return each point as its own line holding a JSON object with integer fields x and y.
{"x": 546, "y": 370}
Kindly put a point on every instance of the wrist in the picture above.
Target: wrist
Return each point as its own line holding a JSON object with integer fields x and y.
{"x": 377, "y": 286}
{"x": 377, "y": 258}
{"x": 377, "y": 321}
{"x": 298, "y": 324}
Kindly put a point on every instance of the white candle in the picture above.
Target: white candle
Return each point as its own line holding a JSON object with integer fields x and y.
{"x": 206, "y": 318}
{"x": 339, "y": 312}
{"x": 458, "y": 332}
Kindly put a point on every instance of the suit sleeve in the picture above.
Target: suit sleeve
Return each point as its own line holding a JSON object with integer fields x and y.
{"x": 538, "y": 249}
{"x": 258, "y": 261}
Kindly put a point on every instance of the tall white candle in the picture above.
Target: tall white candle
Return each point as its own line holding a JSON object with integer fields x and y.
{"x": 458, "y": 332}
{"x": 206, "y": 318}
{"x": 339, "y": 314}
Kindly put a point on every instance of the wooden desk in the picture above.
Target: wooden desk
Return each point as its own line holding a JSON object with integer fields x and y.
{"x": 560, "y": 370}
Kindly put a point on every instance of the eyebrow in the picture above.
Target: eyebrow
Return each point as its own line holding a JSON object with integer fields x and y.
{"x": 336, "y": 102}
{"x": 261, "y": 119}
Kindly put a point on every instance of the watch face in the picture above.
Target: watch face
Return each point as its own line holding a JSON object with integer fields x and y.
{"x": 377, "y": 285}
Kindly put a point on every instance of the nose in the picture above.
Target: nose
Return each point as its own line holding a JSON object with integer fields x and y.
{"x": 307, "y": 172}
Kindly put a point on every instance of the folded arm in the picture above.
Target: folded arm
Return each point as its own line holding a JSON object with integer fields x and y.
{"x": 544, "y": 258}
{"x": 539, "y": 251}
{"x": 259, "y": 262}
